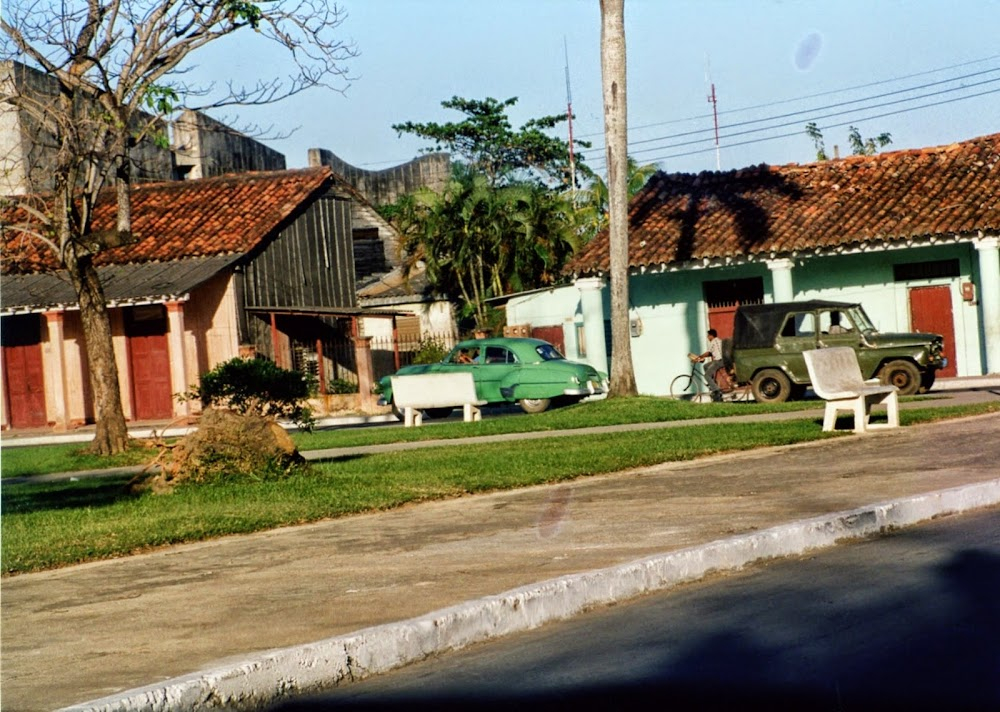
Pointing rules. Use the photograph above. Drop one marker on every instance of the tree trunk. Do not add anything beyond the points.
(616, 141)
(112, 433)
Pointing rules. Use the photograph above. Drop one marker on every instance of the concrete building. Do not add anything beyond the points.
(911, 235)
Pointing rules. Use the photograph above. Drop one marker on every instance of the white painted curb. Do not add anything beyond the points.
(265, 678)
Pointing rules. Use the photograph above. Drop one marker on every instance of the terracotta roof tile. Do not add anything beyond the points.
(764, 210)
(229, 214)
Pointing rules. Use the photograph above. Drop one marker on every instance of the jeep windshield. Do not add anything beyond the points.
(861, 320)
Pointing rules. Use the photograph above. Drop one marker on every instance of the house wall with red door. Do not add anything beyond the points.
(675, 315)
(210, 336)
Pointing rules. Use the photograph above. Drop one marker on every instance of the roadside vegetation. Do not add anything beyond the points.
(53, 524)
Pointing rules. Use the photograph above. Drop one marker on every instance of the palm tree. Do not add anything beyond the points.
(616, 145)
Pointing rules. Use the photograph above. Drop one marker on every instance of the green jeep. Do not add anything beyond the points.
(768, 341)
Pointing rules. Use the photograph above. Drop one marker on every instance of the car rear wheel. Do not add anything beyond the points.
(771, 386)
(903, 375)
(535, 405)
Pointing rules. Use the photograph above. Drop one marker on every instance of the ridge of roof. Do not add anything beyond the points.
(780, 210)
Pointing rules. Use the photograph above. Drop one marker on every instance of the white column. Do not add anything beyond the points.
(592, 307)
(57, 368)
(178, 359)
(989, 299)
(781, 276)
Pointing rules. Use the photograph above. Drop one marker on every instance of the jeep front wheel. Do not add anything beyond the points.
(771, 386)
(903, 375)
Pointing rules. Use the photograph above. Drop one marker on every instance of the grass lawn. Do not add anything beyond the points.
(60, 523)
(44, 459)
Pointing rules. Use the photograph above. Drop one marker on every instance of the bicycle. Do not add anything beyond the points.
(694, 386)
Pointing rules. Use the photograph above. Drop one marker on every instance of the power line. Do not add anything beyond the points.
(811, 112)
(808, 96)
(828, 126)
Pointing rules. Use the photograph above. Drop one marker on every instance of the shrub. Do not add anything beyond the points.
(430, 351)
(256, 386)
(340, 386)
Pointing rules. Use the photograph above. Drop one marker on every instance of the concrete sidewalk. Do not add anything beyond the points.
(234, 622)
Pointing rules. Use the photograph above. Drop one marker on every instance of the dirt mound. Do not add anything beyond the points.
(226, 444)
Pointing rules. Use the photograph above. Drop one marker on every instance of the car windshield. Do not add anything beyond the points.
(548, 352)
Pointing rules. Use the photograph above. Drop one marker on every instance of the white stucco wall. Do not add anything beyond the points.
(674, 316)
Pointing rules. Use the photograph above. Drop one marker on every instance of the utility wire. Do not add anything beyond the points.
(826, 127)
(804, 98)
(811, 112)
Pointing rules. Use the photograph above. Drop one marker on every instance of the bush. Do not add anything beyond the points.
(340, 386)
(430, 351)
(257, 386)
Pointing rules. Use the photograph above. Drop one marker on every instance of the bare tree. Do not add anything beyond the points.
(616, 140)
(117, 67)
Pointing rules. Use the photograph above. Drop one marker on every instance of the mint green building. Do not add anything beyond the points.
(914, 236)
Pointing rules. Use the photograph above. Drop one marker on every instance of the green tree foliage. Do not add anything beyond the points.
(859, 146)
(256, 387)
(595, 209)
(504, 222)
(479, 240)
(485, 141)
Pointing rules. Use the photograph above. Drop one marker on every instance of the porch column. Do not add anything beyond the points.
(366, 372)
(178, 361)
(781, 276)
(57, 367)
(592, 306)
(989, 299)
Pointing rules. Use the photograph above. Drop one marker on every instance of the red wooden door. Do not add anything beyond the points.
(149, 363)
(930, 312)
(23, 374)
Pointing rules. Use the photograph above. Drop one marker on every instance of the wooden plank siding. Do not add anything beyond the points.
(309, 264)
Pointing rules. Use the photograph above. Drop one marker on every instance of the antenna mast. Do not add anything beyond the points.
(715, 113)
(569, 117)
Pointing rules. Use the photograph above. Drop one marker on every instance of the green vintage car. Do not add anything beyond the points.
(768, 341)
(530, 372)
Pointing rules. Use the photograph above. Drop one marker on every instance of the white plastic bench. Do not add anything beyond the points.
(411, 394)
(836, 378)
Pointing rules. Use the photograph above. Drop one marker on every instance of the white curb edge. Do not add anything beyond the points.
(263, 679)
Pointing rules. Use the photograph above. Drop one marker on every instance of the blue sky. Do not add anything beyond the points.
(760, 53)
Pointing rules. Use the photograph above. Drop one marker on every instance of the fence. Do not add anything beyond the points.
(339, 362)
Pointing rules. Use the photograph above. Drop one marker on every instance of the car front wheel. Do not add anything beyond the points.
(771, 386)
(534, 405)
(903, 375)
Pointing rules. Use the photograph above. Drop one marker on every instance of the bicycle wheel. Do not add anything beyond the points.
(682, 387)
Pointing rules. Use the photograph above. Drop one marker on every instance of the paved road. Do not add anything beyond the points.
(909, 620)
(100, 629)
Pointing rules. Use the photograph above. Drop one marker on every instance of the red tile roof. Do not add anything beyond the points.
(764, 210)
(225, 215)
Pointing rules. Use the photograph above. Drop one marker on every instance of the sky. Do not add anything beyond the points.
(775, 65)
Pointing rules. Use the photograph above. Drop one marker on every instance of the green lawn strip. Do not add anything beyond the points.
(614, 411)
(56, 524)
(46, 459)
(67, 457)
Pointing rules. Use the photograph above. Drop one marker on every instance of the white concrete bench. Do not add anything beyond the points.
(411, 394)
(836, 378)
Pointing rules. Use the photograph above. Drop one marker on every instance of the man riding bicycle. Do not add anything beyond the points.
(713, 359)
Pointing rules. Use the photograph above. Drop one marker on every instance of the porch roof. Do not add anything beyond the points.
(889, 199)
(147, 282)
